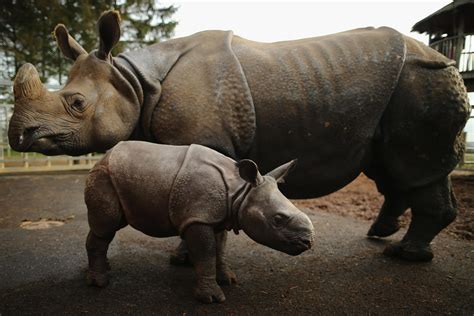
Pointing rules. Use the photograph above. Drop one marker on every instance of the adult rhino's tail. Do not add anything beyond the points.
(422, 126)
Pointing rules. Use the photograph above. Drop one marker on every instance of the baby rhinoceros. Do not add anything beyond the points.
(194, 192)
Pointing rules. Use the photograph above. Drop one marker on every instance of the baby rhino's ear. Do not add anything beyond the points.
(248, 171)
(279, 173)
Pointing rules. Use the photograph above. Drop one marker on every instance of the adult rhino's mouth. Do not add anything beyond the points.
(22, 139)
(46, 145)
(36, 139)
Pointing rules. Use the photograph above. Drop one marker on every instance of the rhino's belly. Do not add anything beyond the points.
(329, 157)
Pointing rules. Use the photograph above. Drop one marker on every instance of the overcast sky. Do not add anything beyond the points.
(270, 21)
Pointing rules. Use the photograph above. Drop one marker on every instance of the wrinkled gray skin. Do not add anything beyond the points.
(367, 100)
(194, 192)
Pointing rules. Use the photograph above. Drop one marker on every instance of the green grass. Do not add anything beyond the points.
(15, 154)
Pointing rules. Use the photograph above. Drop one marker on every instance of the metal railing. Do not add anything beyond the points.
(466, 59)
(459, 48)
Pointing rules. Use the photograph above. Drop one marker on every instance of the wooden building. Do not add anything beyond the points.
(451, 32)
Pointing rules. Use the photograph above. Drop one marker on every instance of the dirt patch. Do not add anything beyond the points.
(40, 224)
(361, 199)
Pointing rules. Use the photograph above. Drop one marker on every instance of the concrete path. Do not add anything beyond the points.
(42, 270)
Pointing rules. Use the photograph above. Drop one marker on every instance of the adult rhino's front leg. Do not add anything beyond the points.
(201, 242)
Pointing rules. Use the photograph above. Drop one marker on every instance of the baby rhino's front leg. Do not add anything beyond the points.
(224, 276)
(201, 243)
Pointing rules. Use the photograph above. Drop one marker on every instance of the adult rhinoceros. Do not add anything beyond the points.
(367, 100)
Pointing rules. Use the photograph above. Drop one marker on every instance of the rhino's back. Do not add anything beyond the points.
(143, 175)
(320, 100)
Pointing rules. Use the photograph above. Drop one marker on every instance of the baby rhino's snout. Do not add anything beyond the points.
(303, 233)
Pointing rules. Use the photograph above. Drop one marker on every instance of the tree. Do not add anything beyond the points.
(26, 26)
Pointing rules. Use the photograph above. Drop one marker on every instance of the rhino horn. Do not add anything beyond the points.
(27, 83)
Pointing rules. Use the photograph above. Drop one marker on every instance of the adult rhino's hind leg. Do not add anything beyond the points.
(394, 205)
(387, 223)
(420, 144)
(105, 218)
(433, 208)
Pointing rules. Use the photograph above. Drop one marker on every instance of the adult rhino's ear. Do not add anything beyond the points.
(279, 173)
(108, 26)
(68, 45)
(248, 171)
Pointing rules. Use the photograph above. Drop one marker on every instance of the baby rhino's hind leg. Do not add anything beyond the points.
(105, 218)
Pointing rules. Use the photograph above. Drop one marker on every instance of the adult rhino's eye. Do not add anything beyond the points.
(77, 102)
(280, 219)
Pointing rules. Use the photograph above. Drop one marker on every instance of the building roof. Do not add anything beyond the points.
(446, 19)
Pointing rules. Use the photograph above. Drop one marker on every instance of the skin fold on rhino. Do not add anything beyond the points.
(194, 192)
(367, 100)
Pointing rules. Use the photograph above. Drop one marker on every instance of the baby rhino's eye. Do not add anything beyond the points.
(280, 219)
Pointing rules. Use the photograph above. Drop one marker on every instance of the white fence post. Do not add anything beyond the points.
(2, 156)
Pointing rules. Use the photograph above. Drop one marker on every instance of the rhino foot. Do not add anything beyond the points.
(98, 279)
(383, 229)
(409, 251)
(226, 277)
(209, 292)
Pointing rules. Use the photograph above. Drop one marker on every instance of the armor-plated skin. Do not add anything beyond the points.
(367, 100)
(194, 192)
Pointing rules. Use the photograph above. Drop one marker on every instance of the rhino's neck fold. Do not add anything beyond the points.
(236, 201)
(149, 67)
(142, 89)
(236, 189)
(127, 70)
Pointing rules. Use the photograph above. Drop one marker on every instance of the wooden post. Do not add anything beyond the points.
(2, 157)
(26, 163)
